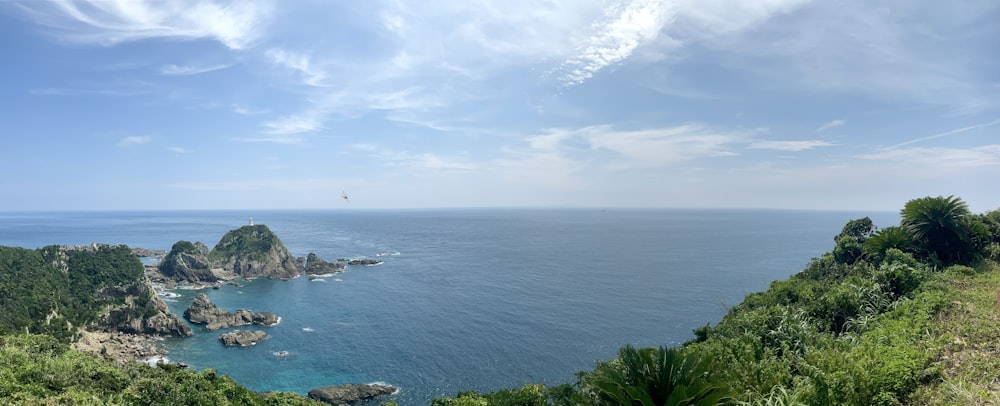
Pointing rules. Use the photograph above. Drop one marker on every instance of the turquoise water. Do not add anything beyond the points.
(475, 299)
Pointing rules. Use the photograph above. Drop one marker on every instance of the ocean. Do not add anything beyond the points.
(467, 299)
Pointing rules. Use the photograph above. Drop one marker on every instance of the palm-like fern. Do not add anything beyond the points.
(886, 238)
(939, 225)
(655, 377)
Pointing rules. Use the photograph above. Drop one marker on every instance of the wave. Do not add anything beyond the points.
(152, 361)
(317, 280)
(388, 254)
(308, 329)
(169, 295)
(384, 383)
(338, 280)
(375, 264)
(281, 353)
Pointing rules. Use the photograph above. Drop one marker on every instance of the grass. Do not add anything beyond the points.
(967, 337)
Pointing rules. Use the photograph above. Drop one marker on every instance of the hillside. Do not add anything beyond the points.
(907, 314)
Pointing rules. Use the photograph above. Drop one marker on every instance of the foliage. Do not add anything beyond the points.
(894, 237)
(251, 242)
(940, 227)
(38, 369)
(655, 376)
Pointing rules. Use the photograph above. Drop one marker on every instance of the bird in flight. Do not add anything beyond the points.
(343, 195)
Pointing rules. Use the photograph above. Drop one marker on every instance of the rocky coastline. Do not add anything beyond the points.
(242, 338)
(343, 395)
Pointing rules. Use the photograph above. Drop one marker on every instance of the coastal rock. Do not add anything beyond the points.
(144, 252)
(143, 312)
(315, 265)
(203, 311)
(350, 393)
(242, 338)
(359, 261)
(188, 262)
(116, 346)
(255, 252)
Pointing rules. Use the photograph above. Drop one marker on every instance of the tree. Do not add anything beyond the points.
(890, 237)
(939, 226)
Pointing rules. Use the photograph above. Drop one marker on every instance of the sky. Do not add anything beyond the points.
(258, 104)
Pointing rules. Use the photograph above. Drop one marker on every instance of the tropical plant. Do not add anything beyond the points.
(655, 377)
(890, 237)
(938, 225)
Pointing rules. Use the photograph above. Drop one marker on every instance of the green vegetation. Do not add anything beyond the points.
(902, 315)
(251, 242)
(51, 290)
(39, 369)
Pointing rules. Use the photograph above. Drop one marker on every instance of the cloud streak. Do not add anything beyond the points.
(190, 69)
(134, 140)
(793, 146)
(237, 25)
(831, 124)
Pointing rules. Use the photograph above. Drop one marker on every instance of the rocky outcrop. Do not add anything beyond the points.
(315, 265)
(142, 312)
(188, 262)
(350, 393)
(255, 252)
(359, 261)
(203, 311)
(118, 346)
(242, 338)
(145, 252)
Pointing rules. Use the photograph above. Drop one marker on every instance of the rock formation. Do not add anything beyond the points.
(359, 261)
(142, 313)
(350, 393)
(188, 262)
(242, 338)
(315, 265)
(203, 311)
(255, 252)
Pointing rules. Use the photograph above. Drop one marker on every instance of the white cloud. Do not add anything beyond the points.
(986, 155)
(294, 124)
(831, 124)
(662, 146)
(179, 150)
(134, 140)
(789, 145)
(190, 69)
(236, 25)
(629, 26)
(311, 74)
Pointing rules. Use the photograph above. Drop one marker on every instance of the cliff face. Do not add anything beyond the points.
(255, 252)
(188, 262)
(142, 312)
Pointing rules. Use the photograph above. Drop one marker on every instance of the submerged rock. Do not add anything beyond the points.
(242, 338)
(350, 393)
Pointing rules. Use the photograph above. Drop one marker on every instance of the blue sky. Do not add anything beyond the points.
(203, 104)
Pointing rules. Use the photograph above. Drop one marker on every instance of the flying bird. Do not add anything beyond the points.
(344, 196)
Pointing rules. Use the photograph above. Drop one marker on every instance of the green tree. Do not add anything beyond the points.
(887, 238)
(655, 377)
(939, 226)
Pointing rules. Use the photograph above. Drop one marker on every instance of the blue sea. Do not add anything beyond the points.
(467, 299)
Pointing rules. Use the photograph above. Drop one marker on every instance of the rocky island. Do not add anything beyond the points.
(350, 393)
(203, 311)
(251, 251)
(242, 338)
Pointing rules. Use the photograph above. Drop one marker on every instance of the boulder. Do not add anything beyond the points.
(242, 338)
(350, 393)
(315, 265)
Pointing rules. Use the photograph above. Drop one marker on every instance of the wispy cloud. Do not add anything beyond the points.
(831, 124)
(947, 133)
(986, 155)
(134, 140)
(190, 69)
(628, 26)
(178, 150)
(789, 145)
(311, 74)
(236, 25)
(662, 146)
(293, 124)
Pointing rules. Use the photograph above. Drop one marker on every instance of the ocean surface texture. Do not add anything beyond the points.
(477, 299)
